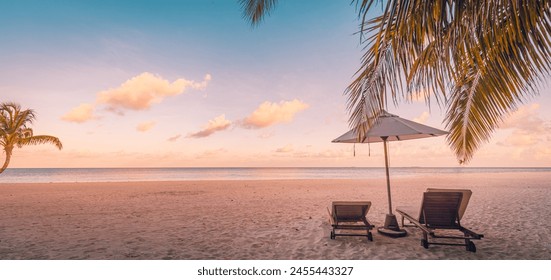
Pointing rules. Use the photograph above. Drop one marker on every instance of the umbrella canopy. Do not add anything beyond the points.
(389, 127)
(392, 127)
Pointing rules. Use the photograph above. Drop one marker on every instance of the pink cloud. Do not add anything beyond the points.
(174, 138)
(146, 89)
(211, 153)
(137, 93)
(82, 113)
(419, 96)
(266, 135)
(525, 118)
(145, 126)
(217, 124)
(422, 118)
(528, 128)
(286, 149)
(269, 113)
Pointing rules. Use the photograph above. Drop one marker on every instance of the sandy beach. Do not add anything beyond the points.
(264, 219)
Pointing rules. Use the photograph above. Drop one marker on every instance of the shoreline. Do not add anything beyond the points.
(260, 219)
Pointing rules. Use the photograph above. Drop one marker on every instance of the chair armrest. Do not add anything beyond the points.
(472, 233)
(331, 219)
(368, 222)
(414, 221)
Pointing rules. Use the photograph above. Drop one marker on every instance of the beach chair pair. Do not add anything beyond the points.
(439, 218)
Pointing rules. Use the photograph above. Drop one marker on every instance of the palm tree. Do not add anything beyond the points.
(479, 59)
(14, 130)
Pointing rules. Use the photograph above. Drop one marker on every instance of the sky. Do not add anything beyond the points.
(171, 83)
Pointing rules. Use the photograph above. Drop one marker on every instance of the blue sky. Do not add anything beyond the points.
(215, 80)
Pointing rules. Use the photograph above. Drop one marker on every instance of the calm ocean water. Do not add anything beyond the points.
(46, 175)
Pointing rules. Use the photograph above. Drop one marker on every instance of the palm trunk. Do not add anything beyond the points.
(7, 161)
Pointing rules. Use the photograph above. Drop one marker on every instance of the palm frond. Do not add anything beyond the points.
(480, 59)
(256, 10)
(496, 70)
(365, 100)
(40, 139)
(13, 118)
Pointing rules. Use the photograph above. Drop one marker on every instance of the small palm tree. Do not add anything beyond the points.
(14, 130)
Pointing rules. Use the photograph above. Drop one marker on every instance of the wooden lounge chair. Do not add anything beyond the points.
(440, 215)
(347, 216)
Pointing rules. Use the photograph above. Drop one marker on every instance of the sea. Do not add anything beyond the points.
(58, 175)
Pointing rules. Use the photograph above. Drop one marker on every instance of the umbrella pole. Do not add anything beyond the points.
(387, 177)
(391, 227)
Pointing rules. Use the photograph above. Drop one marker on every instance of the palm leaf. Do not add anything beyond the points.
(40, 139)
(256, 10)
(501, 67)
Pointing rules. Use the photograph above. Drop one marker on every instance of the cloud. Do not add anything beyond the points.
(217, 124)
(174, 138)
(527, 127)
(146, 89)
(423, 118)
(526, 118)
(211, 153)
(145, 126)
(266, 135)
(286, 149)
(418, 96)
(519, 139)
(269, 113)
(202, 85)
(82, 113)
(323, 154)
(137, 93)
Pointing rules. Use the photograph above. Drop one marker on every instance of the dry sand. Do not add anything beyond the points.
(284, 219)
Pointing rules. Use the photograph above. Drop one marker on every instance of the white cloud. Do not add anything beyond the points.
(269, 113)
(145, 126)
(217, 124)
(82, 113)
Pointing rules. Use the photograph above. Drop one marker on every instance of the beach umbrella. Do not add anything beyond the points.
(389, 127)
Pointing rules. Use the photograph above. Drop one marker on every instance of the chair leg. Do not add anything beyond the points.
(369, 236)
(470, 246)
(425, 240)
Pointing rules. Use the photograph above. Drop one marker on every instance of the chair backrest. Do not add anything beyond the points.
(464, 202)
(349, 211)
(440, 209)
